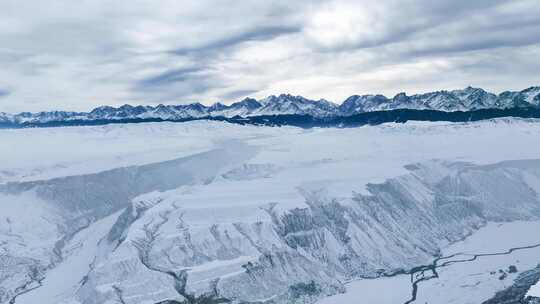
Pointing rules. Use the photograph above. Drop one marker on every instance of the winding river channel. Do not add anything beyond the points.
(424, 273)
(471, 271)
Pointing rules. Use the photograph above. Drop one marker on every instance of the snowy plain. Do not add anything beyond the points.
(266, 165)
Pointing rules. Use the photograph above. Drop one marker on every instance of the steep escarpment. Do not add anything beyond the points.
(160, 250)
(307, 252)
(42, 217)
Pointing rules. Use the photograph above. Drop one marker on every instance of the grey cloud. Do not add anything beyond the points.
(168, 77)
(237, 94)
(186, 83)
(476, 42)
(412, 22)
(261, 33)
(4, 92)
(183, 83)
(177, 86)
(449, 29)
(225, 50)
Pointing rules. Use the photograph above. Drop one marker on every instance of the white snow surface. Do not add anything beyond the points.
(474, 282)
(44, 153)
(212, 187)
(534, 291)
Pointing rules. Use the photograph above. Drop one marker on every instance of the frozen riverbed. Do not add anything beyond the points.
(461, 282)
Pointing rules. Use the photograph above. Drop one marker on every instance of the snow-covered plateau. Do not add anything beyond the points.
(211, 212)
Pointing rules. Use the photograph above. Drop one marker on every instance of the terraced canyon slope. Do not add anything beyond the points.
(209, 212)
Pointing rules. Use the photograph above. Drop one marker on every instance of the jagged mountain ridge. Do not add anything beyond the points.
(448, 101)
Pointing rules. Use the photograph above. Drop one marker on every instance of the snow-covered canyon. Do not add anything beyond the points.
(208, 212)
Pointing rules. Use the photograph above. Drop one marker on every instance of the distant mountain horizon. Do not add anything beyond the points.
(466, 99)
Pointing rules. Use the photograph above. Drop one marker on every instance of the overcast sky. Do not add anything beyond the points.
(76, 55)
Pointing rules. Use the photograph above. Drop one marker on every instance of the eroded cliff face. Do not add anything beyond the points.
(43, 217)
(151, 248)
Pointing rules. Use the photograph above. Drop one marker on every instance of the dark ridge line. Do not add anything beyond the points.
(308, 121)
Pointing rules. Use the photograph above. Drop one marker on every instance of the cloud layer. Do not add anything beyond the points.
(76, 55)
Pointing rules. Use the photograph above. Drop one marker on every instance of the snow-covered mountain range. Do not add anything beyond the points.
(457, 100)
